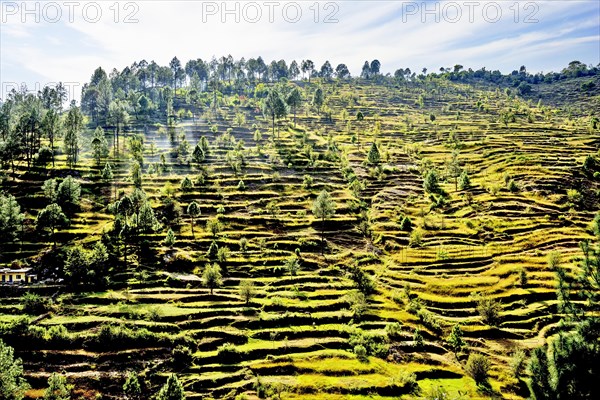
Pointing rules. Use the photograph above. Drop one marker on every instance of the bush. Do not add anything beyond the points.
(464, 182)
(416, 238)
(429, 320)
(393, 330)
(374, 344)
(522, 277)
(182, 356)
(363, 282)
(418, 339)
(406, 224)
(431, 182)
(213, 251)
(361, 353)
(455, 339)
(478, 368)
(358, 303)
(307, 181)
(574, 198)
(229, 354)
(512, 186)
(407, 381)
(517, 363)
(35, 304)
(489, 309)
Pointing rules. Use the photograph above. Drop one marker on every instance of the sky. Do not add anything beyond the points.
(43, 42)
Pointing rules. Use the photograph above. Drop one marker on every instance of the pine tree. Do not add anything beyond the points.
(374, 158)
(172, 390)
(170, 238)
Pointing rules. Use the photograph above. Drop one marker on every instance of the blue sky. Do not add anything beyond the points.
(542, 35)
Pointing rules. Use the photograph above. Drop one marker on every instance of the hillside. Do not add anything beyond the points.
(451, 215)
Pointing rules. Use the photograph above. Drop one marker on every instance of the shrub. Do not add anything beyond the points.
(407, 381)
(132, 388)
(522, 277)
(431, 183)
(182, 356)
(243, 245)
(574, 197)
(170, 238)
(12, 383)
(437, 393)
(416, 238)
(229, 354)
(393, 330)
(247, 291)
(406, 224)
(307, 181)
(374, 344)
(478, 367)
(358, 304)
(489, 309)
(512, 186)
(418, 339)
(464, 182)
(455, 339)
(361, 353)
(213, 250)
(429, 320)
(35, 304)
(517, 363)
(363, 282)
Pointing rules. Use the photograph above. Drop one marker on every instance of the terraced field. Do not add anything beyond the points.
(296, 336)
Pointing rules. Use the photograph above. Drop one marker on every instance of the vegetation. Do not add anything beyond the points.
(12, 383)
(280, 230)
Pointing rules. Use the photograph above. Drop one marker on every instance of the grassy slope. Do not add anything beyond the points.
(294, 334)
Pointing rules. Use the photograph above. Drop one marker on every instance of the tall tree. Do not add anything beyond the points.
(118, 115)
(566, 367)
(294, 100)
(212, 276)
(342, 72)
(323, 208)
(146, 220)
(366, 71)
(307, 66)
(375, 67)
(318, 99)
(51, 218)
(294, 70)
(454, 169)
(275, 106)
(193, 211)
(11, 218)
(132, 388)
(326, 70)
(107, 176)
(99, 145)
(73, 126)
(178, 72)
(68, 194)
(51, 128)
